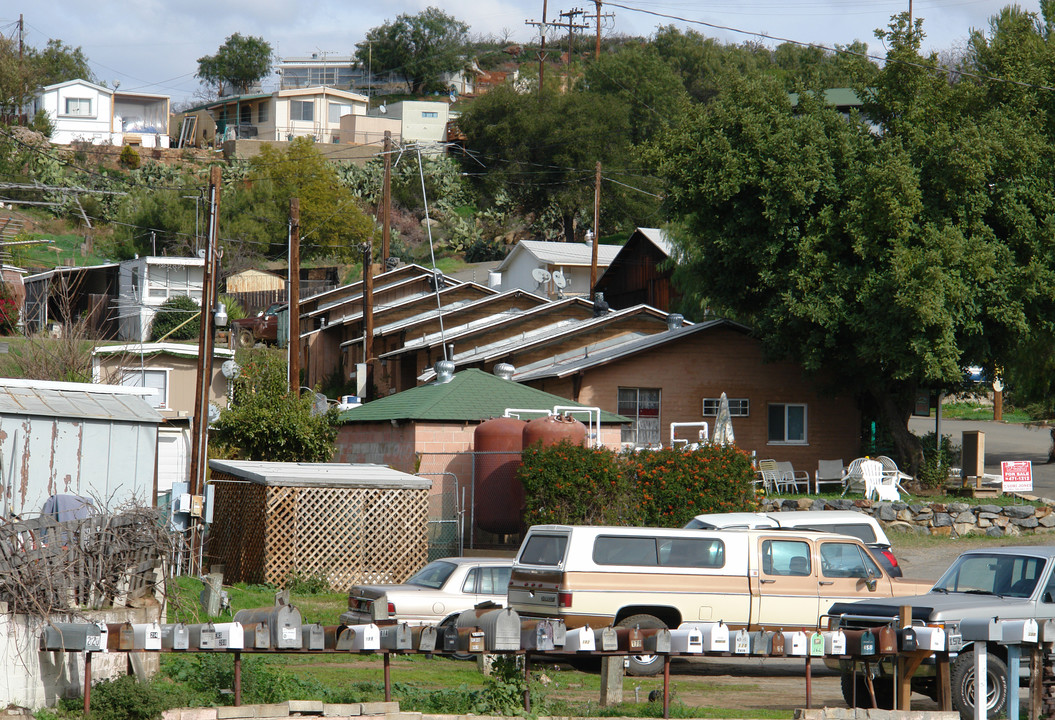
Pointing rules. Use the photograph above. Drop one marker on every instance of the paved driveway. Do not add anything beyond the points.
(1003, 441)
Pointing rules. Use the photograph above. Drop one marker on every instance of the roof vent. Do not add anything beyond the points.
(444, 371)
(504, 371)
(675, 321)
(600, 307)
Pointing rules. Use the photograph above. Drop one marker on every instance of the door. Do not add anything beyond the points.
(847, 574)
(787, 583)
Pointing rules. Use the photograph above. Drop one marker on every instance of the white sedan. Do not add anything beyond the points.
(437, 592)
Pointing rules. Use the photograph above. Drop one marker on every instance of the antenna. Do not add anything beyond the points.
(541, 275)
(559, 280)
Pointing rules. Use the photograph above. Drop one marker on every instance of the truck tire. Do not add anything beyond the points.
(643, 665)
(245, 338)
(883, 686)
(963, 687)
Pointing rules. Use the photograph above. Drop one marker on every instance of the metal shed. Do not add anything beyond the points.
(347, 523)
(98, 441)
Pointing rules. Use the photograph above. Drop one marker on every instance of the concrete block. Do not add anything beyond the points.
(342, 709)
(380, 708)
(403, 716)
(305, 707)
(196, 714)
(273, 710)
(236, 713)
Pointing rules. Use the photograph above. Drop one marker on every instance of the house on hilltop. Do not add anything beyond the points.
(81, 111)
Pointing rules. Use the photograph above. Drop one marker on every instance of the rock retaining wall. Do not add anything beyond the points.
(955, 518)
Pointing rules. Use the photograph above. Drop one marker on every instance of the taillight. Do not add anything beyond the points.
(890, 556)
(391, 610)
(564, 599)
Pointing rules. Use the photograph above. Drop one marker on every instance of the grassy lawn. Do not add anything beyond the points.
(980, 411)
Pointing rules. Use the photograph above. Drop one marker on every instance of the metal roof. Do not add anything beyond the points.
(658, 238)
(84, 401)
(470, 396)
(335, 475)
(164, 348)
(561, 253)
(564, 369)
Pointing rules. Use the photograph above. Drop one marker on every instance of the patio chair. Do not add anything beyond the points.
(828, 471)
(852, 478)
(772, 476)
(890, 469)
(792, 478)
(878, 485)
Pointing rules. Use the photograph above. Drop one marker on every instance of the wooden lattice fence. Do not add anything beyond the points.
(345, 535)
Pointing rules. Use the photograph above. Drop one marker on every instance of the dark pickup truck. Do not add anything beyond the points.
(1014, 583)
(263, 327)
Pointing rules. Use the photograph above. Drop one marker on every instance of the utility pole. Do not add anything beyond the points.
(572, 27)
(597, 16)
(386, 203)
(200, 422)
(596, 229)
(368, 315)
(543, 26)
(293, 342)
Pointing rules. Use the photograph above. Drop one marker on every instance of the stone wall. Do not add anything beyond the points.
(955, 518)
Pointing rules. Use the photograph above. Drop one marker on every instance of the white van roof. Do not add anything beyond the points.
(814, 519)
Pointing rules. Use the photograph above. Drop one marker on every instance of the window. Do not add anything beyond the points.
(430, 114)
(494, 580)
(303, 110)
(245, 114)
(157, 379)
(787, 423)
(544, 550)
(738, 407)
(651, 551)
(785, 557)
(641, 405)
(469, 584)
(79, 107)
(261, 112)
(844, 560)
(338, 109)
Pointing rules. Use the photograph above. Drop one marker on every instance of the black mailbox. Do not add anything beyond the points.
(907, 640)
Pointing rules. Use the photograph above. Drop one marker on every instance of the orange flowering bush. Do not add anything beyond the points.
(574, 485)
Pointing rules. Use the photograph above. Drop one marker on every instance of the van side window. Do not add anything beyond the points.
(843, 560)
(785, 557)
(544, 550)
(663, 552)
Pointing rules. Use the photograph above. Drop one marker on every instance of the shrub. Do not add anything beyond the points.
(568, 484)
(129, 157)
(937, 462)
(170, 321)
(127, 699)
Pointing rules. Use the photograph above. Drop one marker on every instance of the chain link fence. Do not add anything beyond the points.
(476, 502)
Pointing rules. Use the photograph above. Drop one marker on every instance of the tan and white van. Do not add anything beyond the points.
(662, 577)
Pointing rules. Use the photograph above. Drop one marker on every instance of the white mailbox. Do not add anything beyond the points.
(742, 642)
(835, 642)
(686, 639)
(930, 638)
(229, 636)
(146, 636)
(1020, 631)
(365, 637)
(580, 639)
(795, 643)
(715, 637)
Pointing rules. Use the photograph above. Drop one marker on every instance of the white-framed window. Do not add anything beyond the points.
(738, 407)
(429, 114)
(79, 107)
(151, 378)
(303, 110)
(641, 405)
(787, 423)
(338, 109)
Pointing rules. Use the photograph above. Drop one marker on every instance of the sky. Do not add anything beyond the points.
(153, 45)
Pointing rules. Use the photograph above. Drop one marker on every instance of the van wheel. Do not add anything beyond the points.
(245, 338)
(644, 665)
(884, 690)
(963, 687)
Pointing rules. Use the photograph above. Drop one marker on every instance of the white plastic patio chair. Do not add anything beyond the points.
(890, 469)
(877, 485)
(852, 478)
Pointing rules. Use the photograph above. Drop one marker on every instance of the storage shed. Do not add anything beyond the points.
(348, 523)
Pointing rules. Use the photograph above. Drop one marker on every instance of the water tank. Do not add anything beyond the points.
(499, 497)
(552, 429)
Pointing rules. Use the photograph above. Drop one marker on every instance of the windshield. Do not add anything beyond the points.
(992, 574)
(432, 575)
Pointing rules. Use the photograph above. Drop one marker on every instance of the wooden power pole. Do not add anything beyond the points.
(368, 315)
(596, 228)
(293, 342)
(386, 203)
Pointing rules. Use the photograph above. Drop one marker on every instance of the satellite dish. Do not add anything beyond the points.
(541, 275)
(230, 369)
(559, 280)
(382, 109)
(214, 413)
(320, 405)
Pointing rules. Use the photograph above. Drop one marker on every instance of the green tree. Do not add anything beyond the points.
(239, 62)
(255, 210)
(883, 262)
(422, 48)
(178, 318)
(267, 422)
(59, 62)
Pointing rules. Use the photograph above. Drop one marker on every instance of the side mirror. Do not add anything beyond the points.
(260, 314)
